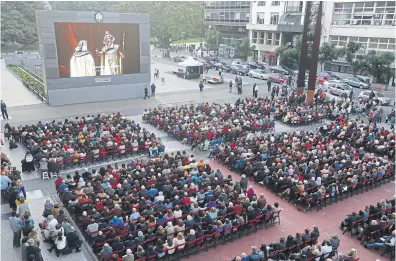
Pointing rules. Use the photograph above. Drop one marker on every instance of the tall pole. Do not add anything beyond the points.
(304, 52)
(314, 55)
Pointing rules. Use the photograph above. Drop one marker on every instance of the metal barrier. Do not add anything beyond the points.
(174, 104)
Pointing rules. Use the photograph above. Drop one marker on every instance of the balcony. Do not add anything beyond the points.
(287, 28)
(291, 28)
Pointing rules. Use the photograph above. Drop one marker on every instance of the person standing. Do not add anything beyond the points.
(277, 90)
(255, 90)
(146, 92)
(269, 85)
(230, 85)
(16, 225)
(240, 84)
(4, 110)
(153, 87)
(201, 86)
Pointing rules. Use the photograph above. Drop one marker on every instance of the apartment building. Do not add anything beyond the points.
(229, 18)
(371, 23)
(274, 23)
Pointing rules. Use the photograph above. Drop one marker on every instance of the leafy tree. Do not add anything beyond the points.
(328, 52)
(18, 22)
(169, 21)
(290, 55)
(379, 65)
(244, 49)
(211, 39)
(350, 53)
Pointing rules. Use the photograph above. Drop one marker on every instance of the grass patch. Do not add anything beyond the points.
(28, 80)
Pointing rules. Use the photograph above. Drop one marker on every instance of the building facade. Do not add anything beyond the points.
(370, 23)
(272, 24)
(229, 18)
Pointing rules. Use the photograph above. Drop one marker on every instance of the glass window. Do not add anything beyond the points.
(373, 43)
(277, 38)
(255, 33)
(261, 40)
(353, 39)
(391, 46)
(269, 39)
(275, 3)
(232, 15)
(261, 3)
(260, 18)
(274, 18)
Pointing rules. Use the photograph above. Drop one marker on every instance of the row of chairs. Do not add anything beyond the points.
(205, 242)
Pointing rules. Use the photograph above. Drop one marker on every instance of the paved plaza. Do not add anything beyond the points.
(25, 109)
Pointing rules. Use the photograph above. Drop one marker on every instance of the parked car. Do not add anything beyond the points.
(357, 82)
(179, 59)
(260, 74)
(253, 65)
(280, 69)
(339, 89)
(214, 58)
(238, 62)
(262, 65)
(382, 100)
(219, 65)
(208, 64)
(277, 78)
(239, 69)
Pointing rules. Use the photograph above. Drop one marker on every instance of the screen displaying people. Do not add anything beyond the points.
(96, 49)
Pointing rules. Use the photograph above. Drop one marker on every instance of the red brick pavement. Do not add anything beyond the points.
(293, 221)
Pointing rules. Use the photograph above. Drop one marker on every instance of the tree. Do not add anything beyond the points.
(169, 21)
(328, 52)
(244, 49)
(379, 65)
(350, 53)
(211, 39)
(290, 55)
(18, 22)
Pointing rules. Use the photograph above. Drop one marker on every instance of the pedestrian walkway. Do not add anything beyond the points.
(36, 204)
(13, 93)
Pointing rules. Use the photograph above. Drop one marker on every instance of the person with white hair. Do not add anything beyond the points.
(160, 197)
(50, 228)
(134, 215)
(128, 256)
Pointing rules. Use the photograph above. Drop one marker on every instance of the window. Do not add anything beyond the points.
(373, 43)
(277, 38)
(274, 18)
(294, 6)
(275, 3)
(261, 40)
(342, 13)
(261, 3)
(254, 37)
(260, 18)
(269, 39)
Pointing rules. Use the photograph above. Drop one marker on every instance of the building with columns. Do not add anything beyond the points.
(370, 23)
(274, 23)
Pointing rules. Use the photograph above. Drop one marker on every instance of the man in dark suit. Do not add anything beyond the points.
(73, 241)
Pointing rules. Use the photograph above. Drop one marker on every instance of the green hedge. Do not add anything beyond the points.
(28, 80)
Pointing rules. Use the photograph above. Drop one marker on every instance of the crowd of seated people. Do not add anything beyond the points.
(366, 137)
(374, 225)
(306, 166)
(302, 247)
(83, 140)
(159, 207)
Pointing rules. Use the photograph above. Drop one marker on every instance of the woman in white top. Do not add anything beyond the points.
(177, 212)
(59, 244)
(170, 230)
(179, 241)
(180, 226)
(170, 246)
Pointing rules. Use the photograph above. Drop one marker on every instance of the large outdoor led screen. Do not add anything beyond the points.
(96, 49)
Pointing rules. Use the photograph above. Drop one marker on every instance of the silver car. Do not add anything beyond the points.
(259, 74)
(382, 100)
(357, 82)
(339, 89)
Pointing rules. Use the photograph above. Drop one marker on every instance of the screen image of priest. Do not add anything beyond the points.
(96, 49)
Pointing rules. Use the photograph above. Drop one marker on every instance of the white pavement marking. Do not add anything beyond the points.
(280, 228)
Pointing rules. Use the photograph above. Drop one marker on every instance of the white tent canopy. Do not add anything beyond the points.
(189, 62)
